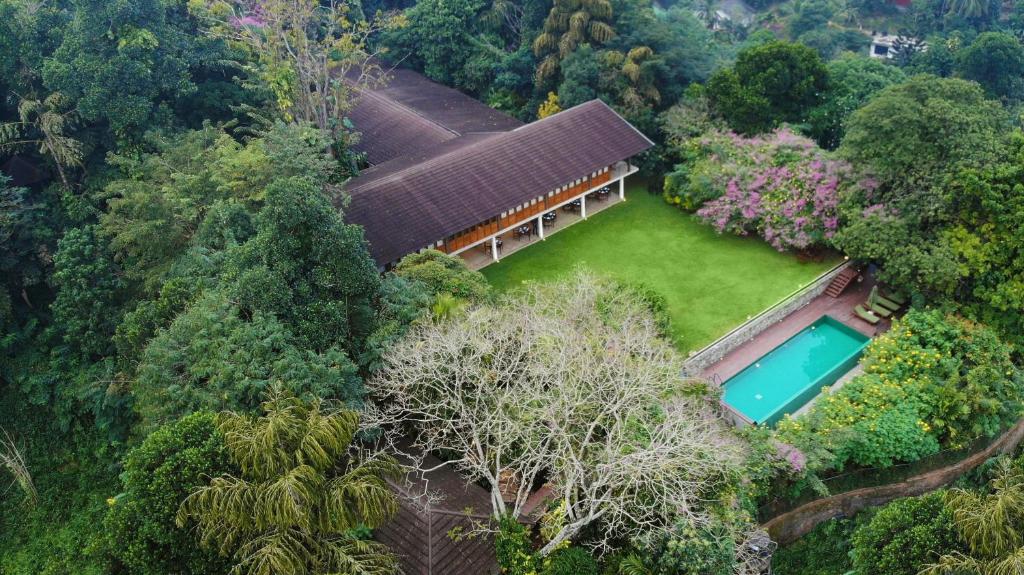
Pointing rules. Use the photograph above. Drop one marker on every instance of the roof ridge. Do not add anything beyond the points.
(428, 162)
(393, 102)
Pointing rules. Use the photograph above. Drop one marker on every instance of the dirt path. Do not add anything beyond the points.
(789, 526)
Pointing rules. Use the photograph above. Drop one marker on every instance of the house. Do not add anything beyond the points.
(450, 173)
(887, 46)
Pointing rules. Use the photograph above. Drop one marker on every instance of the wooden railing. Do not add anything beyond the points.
(528, 212)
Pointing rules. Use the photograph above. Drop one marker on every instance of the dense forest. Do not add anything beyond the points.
(203, 371)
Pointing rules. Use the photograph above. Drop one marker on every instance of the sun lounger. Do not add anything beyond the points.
(896, 297)
(865, 315)
(887, 303)
(878, 310)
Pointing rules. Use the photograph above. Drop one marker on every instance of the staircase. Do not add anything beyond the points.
(841, 281)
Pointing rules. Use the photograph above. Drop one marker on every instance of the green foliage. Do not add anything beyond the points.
(691, 549)
(442, 273)
(769, 84)
(307, 267)
(570, 561)
(904, 536)
(236, 361)
(932, 380)
(201, 182)
(440, 40)
(89, 295)
(119, 61)
(852, 81)
(513, 549)
(996, 61)
(989, 525)
(302, 496)
(158, 475)
(913, 133)
(823, 551)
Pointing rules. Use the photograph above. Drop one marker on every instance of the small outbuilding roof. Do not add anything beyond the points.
(412, 114)
(434, 508)
(411, 202)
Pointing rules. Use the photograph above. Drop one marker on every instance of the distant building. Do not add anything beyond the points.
(887, 46)
(452, 174)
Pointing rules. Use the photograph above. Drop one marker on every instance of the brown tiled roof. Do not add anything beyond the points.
(422, 532)
(412, 114)
(407, 205)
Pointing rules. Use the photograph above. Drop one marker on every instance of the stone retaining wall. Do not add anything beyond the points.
(713, 353)
(789, 526)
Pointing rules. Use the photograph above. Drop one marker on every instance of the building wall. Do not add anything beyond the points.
(523, 212)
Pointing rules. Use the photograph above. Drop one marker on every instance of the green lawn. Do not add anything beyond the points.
(712, 282)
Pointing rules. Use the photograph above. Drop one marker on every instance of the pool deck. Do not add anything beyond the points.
(840, 308)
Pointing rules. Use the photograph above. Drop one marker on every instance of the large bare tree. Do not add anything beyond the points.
(569, 384)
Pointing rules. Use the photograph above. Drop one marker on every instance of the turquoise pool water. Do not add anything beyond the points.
(784, 379)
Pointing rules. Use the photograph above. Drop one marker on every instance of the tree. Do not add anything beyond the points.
(852, 81)
(912, 134)
(119, 61)
(158, 475)
(990, 526)
(444, 274)
(90, 293)
(46, 123)
(549, 107)
(570, 24)
(302, 492)
(12, 460)
(996, 61)
(307, 267)
(904, 535)
(231, 364)
(602, 414)
(769, 84)
(441, 39)
(313, 56)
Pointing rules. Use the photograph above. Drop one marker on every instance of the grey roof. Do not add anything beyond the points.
(408, 204)
(412, 114)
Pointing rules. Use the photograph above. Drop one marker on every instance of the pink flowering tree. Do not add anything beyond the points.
(780, 186)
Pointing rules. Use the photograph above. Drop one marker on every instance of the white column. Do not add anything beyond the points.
(583, 206)
(540, 225)
(494, 248)
(622, 189)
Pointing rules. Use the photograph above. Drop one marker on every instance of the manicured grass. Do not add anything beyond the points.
(711, 282)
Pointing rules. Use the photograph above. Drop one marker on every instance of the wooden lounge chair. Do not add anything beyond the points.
(878, 310)
(865, 315)
(887, 303)
(895, 297)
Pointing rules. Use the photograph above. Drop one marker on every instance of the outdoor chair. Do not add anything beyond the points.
(887, 303)
(877, 309)
(865, 315)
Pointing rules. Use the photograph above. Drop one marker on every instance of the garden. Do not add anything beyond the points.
(710, 283)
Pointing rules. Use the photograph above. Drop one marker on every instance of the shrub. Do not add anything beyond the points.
(512, 548)
(443, 273)
(933, 380)
(823, 551)
(904, 536)
(780, 186)
(159, 474)
(570, 561)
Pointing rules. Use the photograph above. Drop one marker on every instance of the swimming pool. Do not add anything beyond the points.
(784, 379)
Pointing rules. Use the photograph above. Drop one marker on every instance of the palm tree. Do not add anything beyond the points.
(570, 24)
(45, 123)
(969, 8)
(301, 495)
(992, 526)
(12, 459)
